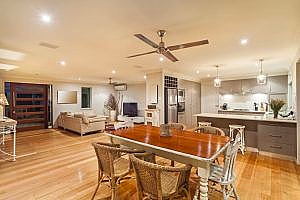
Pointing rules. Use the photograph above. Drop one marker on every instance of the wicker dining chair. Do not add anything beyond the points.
(160, 182)
(209, 129)
(224, 175)
(177, 126)
(112, 165)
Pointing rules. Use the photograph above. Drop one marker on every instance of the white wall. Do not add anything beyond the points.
(154, 79)
(297, 100)
(136, 93)
(209, 97)
(192, 102)
(100, 94)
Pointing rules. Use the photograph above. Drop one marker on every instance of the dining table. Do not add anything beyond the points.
(187, 147)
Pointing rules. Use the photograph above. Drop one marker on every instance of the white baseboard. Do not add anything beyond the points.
(252, 149)
(275, 155)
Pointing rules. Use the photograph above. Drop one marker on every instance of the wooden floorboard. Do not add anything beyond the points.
(57, 164)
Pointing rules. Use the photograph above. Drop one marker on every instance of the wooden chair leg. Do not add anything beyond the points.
(234, 192)
(172, 163)
(100, 179)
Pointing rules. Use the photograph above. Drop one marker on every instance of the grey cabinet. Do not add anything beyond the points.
(279, 84)
(277, 139)
(231, 87)
(251, 86)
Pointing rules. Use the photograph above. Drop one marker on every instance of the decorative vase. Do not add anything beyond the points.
(275, 114)
(112, 115)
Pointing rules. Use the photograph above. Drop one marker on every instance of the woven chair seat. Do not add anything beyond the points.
(121, 167)
(168, 183)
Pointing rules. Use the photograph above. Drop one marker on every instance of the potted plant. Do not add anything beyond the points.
(276, 105)
(112, 106)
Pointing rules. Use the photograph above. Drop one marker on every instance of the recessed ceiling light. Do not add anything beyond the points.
(208, 75)
(79, 78)
(145, 77)
(62, 63)
(244, 41)
(46, 18)
(113, 72)
(11, 55)
(7, 67)
(198, 72)
(161, 59)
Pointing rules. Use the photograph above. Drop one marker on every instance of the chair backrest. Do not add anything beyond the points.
(210, 130)
(177, 126)
(230, 157)
(106, 154)
(148, 177)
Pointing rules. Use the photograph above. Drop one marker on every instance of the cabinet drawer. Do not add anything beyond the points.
(284, 149)
(276, 134)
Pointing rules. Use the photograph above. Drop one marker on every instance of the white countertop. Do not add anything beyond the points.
(268, 118)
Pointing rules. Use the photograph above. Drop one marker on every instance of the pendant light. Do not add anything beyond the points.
(217, 80)
(261, 78)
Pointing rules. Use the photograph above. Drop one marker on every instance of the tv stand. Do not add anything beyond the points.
(135, 120)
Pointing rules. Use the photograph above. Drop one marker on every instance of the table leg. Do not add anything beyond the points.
(14, 148)
(202, 187)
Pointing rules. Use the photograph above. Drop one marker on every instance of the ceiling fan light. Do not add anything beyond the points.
(261, 79)
(217, 82)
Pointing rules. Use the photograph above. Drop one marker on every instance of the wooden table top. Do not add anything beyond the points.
(197, 144)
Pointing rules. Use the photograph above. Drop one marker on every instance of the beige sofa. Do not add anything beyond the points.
(81, 123)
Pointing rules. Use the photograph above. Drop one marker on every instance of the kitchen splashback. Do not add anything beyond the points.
(242, 101)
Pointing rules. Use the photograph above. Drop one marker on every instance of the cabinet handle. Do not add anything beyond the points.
(277, 147)
(278, 136)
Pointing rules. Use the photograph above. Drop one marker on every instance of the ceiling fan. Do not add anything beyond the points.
(161, 49)
(110, 82)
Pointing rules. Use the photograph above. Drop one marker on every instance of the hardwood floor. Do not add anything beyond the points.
(56, 164)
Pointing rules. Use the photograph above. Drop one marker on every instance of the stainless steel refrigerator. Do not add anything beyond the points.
(171, 113)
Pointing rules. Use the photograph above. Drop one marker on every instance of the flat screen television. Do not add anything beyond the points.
(130, 109)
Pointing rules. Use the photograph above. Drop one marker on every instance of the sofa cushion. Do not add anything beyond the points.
(78, 115)
(96, 119)
(85, 119)
(91, 115)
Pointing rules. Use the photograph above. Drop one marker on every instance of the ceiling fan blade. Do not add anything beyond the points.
(187, 45)
(141, 54)
(143, 38)
(170, 56)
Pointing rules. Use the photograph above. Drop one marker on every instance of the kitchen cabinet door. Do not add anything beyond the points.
(279, 84)
(248, 85)
(231, 87)
(251, 86)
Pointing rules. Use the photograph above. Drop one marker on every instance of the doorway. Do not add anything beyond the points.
(28, 105)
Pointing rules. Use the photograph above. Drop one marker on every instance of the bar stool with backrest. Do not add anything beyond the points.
(210, 130)
(200, 124)
(224, 175)
(112, 165)
(233, 130)
(160, 182)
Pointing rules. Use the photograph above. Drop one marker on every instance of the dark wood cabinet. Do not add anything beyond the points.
(28, 105)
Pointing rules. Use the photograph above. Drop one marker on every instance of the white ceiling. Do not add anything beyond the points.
(95, 36)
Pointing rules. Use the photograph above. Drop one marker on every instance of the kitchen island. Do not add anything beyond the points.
(262, 133)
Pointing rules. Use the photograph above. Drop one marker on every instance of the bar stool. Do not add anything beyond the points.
(241, 130)
(204, 124)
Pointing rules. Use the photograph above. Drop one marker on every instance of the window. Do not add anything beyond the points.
(86, 99)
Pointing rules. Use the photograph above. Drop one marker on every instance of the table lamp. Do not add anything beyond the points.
(3, 102)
